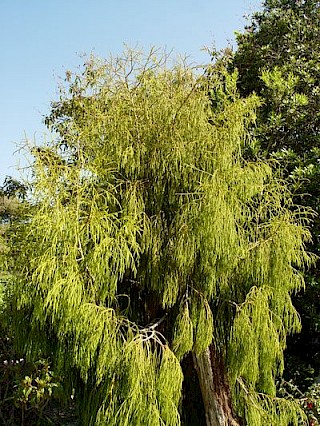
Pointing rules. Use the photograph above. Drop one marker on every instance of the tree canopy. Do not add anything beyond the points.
(278, 59)
(151, 238)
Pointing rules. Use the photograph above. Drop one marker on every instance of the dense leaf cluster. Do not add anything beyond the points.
(158, 228)
(152, 237)
(278, 59)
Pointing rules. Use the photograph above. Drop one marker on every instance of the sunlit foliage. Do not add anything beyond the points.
(153, 237)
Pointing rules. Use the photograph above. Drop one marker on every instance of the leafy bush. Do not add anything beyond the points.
(26, 388)
(309, 400)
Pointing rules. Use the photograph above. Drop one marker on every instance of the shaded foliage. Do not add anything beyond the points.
(278, 59)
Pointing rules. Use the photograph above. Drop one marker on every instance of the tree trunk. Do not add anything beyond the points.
(214, 389)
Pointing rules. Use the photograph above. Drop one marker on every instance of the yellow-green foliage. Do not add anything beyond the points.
(145, 207)
(183, 333)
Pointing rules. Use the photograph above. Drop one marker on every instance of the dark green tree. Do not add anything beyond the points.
(155, 242)
(278, 58)
(12, 195)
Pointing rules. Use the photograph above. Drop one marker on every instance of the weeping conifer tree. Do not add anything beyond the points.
(151, 239)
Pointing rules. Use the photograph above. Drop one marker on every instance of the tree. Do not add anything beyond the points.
(12, 195)
(278, 59)
(153, 239)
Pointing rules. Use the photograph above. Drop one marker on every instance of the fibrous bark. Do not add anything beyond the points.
(214, 388)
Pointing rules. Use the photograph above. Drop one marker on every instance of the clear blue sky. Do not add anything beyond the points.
(40, 39)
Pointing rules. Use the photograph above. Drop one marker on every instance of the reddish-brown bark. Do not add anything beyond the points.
(215, 390)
